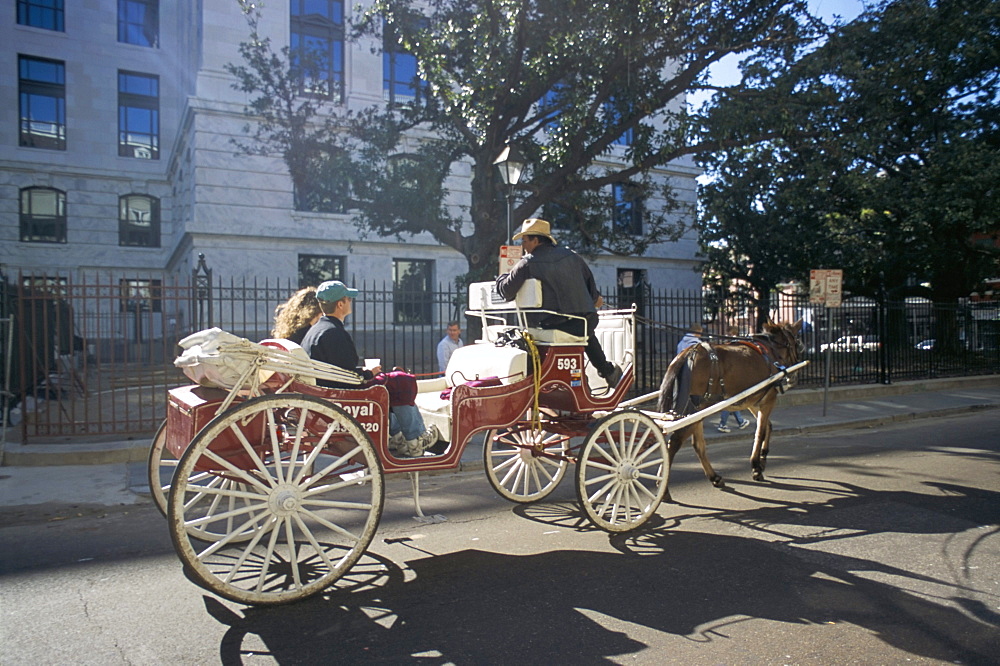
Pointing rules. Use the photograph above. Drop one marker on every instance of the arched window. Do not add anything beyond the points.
(139, 221)
(43, 215)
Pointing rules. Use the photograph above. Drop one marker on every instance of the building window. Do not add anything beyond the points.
(322, 186)
(562, 218)
(411, 285)
(43, 215)
(140, 295)
(138, 115)
(317, 268)
(550, 107)
(627, 215)
(139, 221)
(401, 82)
(614, 117)
(46, 14)
(139, 22)
(317, 46)
(42, 100)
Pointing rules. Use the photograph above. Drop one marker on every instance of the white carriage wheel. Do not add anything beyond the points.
(517, 471)
(621, 474)
(311, 490)
(160, 466)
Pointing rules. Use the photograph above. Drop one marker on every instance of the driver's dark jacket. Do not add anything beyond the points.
(567, 284)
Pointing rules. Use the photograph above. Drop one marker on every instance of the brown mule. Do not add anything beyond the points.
(705, 374)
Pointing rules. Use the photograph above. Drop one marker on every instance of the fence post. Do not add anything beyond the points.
(202, 278)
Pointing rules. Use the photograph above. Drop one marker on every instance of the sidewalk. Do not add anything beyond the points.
(116, 471)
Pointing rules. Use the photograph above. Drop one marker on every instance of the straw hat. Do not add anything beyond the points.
(536, 227)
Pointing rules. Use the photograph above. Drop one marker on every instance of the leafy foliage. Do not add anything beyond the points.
(883, 156)
(563, 80)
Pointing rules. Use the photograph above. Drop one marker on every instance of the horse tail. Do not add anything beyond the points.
(675, 390)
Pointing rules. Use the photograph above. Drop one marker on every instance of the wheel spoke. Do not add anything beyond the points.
(249, 480)
(293, 558)
(248, 447)
(331, 526)
(272, 433)
(604, 489)
(335, 504)
(265, 565)
(334, 465)
(211, 518)
(315, 453)
(214, 481)
(315, 490)
(216, 545)
(604, 454)
(226, 492)
(312, 541)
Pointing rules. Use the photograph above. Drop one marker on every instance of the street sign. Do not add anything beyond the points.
(825, 286)
(509, 256)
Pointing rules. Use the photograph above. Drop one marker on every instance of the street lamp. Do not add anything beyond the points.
(511, 164)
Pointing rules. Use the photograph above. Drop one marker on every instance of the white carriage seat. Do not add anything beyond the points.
(468, 363)
(483, 300)
(616, 335)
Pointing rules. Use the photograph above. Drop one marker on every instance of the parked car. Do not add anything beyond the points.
(929, 344)
(850, 343)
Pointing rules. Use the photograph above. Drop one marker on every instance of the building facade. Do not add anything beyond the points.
(117, 153)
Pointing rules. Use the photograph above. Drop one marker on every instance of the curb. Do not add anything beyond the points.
(872, 422)
(42, 455)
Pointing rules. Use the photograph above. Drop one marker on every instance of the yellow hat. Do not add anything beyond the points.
(536, 227)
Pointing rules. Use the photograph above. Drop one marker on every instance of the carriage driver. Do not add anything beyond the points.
(328, 341)
(567, 287)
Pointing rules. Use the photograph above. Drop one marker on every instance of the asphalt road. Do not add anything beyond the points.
(865, 546)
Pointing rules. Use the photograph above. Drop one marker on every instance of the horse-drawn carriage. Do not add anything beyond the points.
(273, 487)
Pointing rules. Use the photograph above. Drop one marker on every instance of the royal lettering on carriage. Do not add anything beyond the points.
(358, 410)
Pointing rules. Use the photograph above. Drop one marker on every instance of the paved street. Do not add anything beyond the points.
(878, 545)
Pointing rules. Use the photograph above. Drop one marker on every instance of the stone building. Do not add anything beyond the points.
(117, 154)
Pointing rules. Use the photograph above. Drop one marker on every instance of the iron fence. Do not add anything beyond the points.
(93, 353)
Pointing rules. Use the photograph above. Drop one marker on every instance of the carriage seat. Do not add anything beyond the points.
(468, 363)
(484, 300)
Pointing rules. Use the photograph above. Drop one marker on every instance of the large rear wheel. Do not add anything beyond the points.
(160, 466)
(621, 474)
(525, 465)
(303, 503)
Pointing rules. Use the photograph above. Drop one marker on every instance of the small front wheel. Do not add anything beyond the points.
(621, 474)
(303, 503)
(525, 465)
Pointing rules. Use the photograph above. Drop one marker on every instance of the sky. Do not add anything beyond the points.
(726, 71)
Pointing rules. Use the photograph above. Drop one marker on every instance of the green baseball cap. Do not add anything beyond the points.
(334, 290)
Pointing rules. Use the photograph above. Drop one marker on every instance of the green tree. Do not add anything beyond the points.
(884, 161)
(562, 80)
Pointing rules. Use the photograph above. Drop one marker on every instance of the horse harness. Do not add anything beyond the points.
(715, 378)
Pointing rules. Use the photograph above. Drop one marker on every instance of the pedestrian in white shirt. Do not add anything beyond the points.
(692, 337)
(449, 344)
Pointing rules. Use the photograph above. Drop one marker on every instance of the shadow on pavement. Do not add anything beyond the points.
(473, 606)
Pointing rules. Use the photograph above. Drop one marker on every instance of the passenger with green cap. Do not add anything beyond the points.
(328, 341)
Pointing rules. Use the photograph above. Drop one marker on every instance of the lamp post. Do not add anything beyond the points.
(511, 165)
